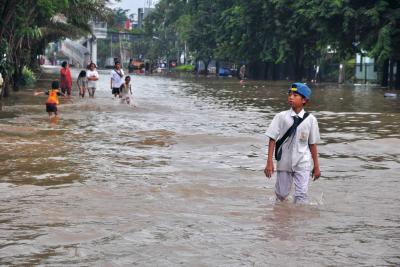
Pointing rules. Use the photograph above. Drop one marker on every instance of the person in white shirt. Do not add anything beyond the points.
(293, 135)
(92, 76)
(117, 79)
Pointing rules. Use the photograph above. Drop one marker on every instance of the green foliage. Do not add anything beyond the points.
(185, 68)
(27, 26)
(278, 31)
(167, 29)
(5, 67)
(136, 31)
(383, 47)
(118, 18)
(28, 77)
(230, 38)
(182, 25)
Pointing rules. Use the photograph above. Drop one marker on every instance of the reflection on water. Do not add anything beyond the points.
(177, 179)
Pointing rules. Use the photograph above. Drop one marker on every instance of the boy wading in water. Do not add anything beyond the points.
(52, 99)
(293, 135)
(117, 80)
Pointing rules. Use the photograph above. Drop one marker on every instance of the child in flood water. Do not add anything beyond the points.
(82, 83)
(126, 91)
(52, 99)
(293, 135)
(92, 76)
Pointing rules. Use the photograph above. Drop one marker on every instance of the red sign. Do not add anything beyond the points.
(128, 25)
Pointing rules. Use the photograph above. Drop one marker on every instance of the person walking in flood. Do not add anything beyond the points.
(82, 83)
(92, 76)
(126, 91)
(117, 75)
(293, 135)
(242, 74)
(65, 78)
(52, 99)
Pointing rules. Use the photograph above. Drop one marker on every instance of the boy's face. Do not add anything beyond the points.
(296, 100)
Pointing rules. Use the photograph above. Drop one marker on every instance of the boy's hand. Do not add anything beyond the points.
(316, 173)
(269, 169)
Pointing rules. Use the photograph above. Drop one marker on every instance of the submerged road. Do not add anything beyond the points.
(178, 178)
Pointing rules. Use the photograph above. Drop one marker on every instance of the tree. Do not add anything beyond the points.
(27, 26)
(167, 29)
(267, 33)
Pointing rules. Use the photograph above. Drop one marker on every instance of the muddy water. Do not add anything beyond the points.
(177, 179)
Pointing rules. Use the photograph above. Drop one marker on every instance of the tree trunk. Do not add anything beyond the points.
(17, 78)
(250, 70)
(397, 82)
(298, 74)
(385, 73)
(341, 73)
(391, 67)
(206, 67)
(299, 64)
(274, 72)
(197, 68)
(266, 69)
(6, 87)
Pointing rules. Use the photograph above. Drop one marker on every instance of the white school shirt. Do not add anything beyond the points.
(116, 80)
(296, 155)
(91, 73)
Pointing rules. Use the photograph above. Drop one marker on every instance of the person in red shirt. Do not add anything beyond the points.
(66, 79)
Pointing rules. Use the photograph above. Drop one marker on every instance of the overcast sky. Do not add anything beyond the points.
(132, 5)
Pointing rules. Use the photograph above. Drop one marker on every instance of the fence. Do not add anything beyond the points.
(366, 73)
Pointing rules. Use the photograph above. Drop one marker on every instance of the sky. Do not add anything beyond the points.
(132, 5)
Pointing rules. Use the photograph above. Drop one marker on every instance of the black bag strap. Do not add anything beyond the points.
(278, 144)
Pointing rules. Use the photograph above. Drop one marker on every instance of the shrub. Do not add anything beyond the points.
(186, 68)
(28, 77)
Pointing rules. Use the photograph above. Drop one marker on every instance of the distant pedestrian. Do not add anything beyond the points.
(131, 66)
(126, 91)
(242, 72)
(293, 135)
(52, 99)
(92, 76)
(65, 78)
(82, 83)
(316, 74)
(117, 75)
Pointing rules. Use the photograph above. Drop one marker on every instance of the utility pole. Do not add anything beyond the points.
(120, 50)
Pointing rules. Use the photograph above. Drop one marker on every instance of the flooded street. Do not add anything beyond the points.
(178, 178)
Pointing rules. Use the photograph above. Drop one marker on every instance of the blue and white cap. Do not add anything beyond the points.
(301, 89)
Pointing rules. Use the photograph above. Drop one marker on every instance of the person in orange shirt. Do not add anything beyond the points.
(52, 99)
(65, 78)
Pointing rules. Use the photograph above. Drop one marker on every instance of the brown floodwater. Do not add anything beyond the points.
(178, 178)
